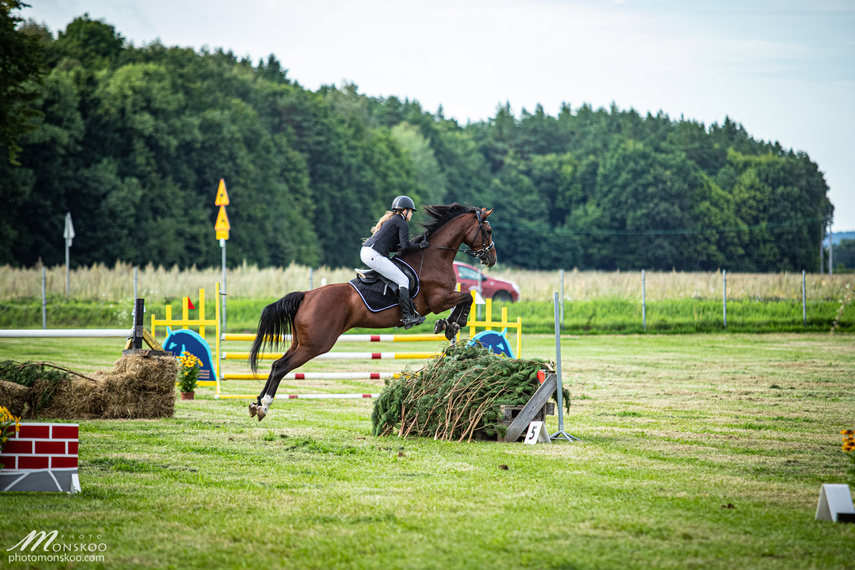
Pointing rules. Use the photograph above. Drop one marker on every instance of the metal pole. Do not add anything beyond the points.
(139, 312)
(44, 298)
(136, 281)
(830, 251)
(223, 292)
(67, 278)
(559, 396)
(821, 254)
(804, 299)
(68, 234)
(724, 296)
(643, 301)
(562, 297)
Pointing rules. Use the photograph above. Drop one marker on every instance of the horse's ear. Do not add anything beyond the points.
(487, 213)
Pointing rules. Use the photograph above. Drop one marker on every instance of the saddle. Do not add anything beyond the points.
(378, 292)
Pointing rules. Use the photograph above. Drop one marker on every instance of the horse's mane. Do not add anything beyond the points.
(441, 215)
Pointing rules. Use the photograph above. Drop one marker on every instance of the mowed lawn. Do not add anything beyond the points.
(697, 451)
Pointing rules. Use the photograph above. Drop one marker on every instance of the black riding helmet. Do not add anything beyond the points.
(402, 202)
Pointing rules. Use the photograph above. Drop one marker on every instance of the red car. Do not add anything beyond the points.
(499, 290)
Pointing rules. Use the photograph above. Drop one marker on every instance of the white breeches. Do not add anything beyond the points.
(384, 266)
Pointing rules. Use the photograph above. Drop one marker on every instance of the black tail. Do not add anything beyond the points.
(277, 319)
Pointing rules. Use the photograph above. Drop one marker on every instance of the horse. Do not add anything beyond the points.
(316, 318)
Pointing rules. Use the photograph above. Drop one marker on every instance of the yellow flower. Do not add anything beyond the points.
(848, 432)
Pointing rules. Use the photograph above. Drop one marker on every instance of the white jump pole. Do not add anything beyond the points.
(66, 333)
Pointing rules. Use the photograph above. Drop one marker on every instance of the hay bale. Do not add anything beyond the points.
(13, 397)
(68, 400)
(140, 386)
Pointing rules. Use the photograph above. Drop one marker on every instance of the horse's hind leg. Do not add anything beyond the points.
(290, 361)
(257, 407)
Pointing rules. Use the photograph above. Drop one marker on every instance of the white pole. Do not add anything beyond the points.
(136, 280)
(724, 296)
(67, 278)
(643, 301)
(44, 298)
(804, 300)
(562, 298)
(830, 251)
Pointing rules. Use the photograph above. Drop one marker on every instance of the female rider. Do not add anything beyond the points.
(392, 234)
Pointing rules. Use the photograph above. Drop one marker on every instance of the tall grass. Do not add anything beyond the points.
(661, 285)
(156, 283)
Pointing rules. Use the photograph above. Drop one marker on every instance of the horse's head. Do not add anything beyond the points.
(480, 238)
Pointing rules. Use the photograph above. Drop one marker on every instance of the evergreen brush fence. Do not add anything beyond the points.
(593, 301)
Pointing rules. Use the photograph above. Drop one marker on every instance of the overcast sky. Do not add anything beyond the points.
(784, 69)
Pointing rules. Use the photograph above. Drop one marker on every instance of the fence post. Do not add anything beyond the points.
(139, 311)
(724, 296)
(804, 300)
(830, 251)
(44, 298)
(643, 301)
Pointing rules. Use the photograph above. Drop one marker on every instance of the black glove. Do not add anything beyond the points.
(424, 245)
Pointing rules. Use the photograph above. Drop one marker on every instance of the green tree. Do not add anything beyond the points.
(645, 205)
(429, 178)
(21, 67)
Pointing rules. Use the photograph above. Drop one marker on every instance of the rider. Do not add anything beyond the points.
(392, 234)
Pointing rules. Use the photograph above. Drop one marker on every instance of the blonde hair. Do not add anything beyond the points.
(382, 221)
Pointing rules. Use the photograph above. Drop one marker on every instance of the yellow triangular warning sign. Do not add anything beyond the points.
(222, 224)
(222, 195)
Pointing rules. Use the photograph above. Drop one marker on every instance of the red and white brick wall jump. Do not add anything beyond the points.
(50, 449)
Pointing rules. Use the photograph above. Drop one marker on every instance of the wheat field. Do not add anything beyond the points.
(156, 283)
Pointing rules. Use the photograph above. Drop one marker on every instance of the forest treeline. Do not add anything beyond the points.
(134, 140)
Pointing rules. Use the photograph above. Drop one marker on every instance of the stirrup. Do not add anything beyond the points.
(412, 321)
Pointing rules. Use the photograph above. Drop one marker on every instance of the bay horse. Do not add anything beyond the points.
(316, 318)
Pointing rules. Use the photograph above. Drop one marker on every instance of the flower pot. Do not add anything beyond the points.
(188, 395)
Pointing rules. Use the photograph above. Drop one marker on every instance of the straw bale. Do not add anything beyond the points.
(13, 397)
(139, 386)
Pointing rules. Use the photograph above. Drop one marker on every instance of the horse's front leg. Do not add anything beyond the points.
(462, 303)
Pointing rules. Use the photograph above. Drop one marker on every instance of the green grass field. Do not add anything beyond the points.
(699, 451)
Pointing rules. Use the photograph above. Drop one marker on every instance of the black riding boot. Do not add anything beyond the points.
(408, 312)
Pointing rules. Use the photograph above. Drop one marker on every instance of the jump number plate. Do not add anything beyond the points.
(536, 433)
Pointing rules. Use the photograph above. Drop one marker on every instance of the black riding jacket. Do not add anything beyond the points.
(393, 235)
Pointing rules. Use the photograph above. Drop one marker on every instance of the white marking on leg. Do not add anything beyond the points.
(265, 402)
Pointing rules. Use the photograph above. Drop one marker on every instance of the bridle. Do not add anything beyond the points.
(485, 249)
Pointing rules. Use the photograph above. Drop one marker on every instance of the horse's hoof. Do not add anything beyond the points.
(439, 326)
(261, 414)
(452, 330)
(253, 409)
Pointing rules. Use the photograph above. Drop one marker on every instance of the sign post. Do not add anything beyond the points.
(68, 234)
(222, 228)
